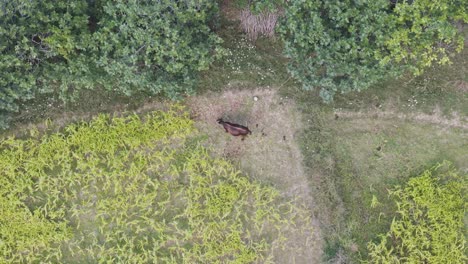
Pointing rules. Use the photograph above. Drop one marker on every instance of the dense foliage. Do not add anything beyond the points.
(122, 45)
(334, 44)
(425, 32)
(342, 46)
(428, 227)
(37, 38)
(154, 46)
(128, 190)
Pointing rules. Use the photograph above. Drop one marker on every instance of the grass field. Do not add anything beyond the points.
(365, 143)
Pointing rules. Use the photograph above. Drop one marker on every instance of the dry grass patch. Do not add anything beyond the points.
(270, 154)
(256, 25)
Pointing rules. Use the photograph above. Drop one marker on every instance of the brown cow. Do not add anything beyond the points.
(235, 129)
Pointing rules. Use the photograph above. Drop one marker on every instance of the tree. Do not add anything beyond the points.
(425, 33)
(428, 226)
(126, 46)
(154, 46)
(342, 46)
(36, 37)
(335, 44)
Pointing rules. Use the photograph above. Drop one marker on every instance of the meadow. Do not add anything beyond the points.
(135, 190)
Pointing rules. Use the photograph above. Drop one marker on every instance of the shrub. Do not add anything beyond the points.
(38, 37)
(425, 33)
(428, 227)
(334, 45)
(154, 46)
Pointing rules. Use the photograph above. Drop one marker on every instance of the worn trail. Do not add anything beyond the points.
(436, 118)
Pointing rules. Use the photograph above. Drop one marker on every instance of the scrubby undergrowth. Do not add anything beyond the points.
(133, 190)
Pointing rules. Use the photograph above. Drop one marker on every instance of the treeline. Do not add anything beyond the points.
(125, 46)
(348, 45)
(158, 47)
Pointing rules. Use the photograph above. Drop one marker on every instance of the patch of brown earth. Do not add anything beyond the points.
(229, 10)
(461, 86)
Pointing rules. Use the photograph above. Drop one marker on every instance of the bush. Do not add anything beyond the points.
(37, 39)
(154, 46)
(428, 227)
(425, 33)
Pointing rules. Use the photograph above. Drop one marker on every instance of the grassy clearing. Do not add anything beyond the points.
(246, 64)
(345, 170)
(133, 191)
(365, 143)
(371, 156)
(352, 162)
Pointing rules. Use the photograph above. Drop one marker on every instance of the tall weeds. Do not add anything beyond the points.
(133, 190)
(256, 25)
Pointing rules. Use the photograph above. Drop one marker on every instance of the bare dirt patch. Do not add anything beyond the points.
(461, 86)
(229, 10)
(270, 154)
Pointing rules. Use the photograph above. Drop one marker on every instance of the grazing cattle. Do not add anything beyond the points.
(235, 129)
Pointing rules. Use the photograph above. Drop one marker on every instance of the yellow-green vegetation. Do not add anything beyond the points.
(133, 190)
(428, 227)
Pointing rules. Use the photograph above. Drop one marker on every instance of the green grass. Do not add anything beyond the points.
(439, 86)
(365, 171)
(49, 106)
(344, 166)
(428, 224)
(352, 159)
(246, 64)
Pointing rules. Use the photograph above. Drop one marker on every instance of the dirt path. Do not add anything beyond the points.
(436, 118)
(271, 154)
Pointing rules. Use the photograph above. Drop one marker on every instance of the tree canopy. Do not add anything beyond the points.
(158, 47)
(425, 32)
(122, 45)
(342, 46)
